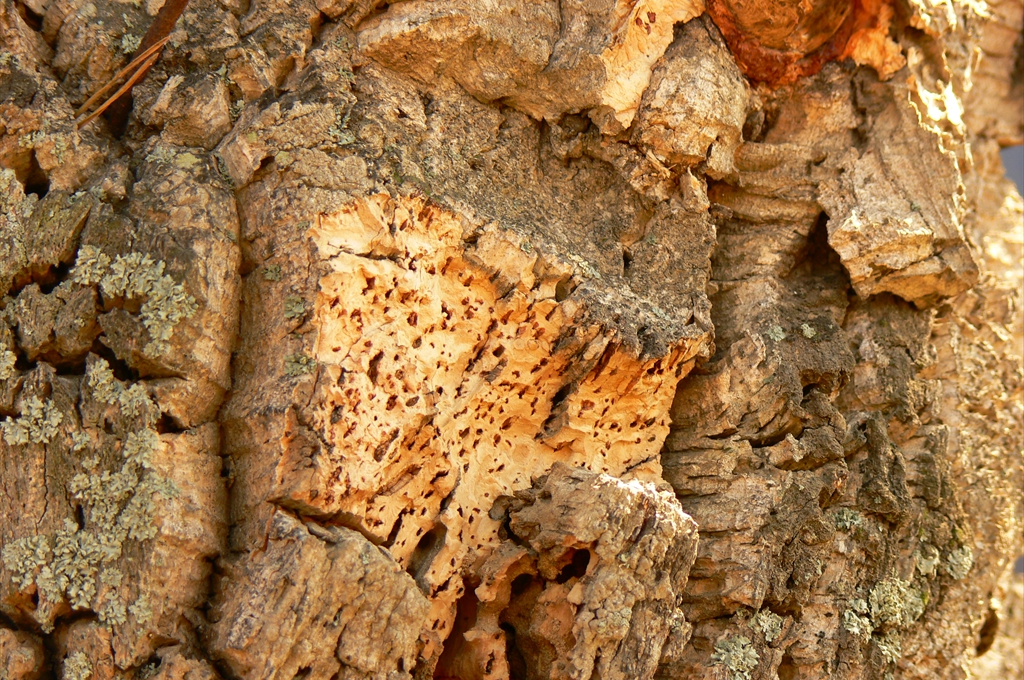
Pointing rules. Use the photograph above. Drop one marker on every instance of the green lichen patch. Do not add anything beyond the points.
(134, 400)
(768, 622)
(80, 442)
(142, 609)
(24, 557)
(38, 423)
(914, 605)
(856, 619)
(891, 646)
(80, 563)
(7, 361)
(888, 602)
(139, 447)
(129, 43)
(100, 379)
(77, 667)
(294, 307)
(959, 562)
(298, 364)
(90, 266)
(112, 612)
(137, 276)
(846, 519)
(927, 559)
(776, 333)
(736, 653)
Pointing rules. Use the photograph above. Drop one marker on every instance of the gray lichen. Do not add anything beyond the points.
(24, 557)
(111, 577)
(119, 506)
(38, 423)
(294, 307)
(298, 364)
(135, 401)
(776, 333)
(112, 612)
(856, 619)
(77, 667)
(768, 622)
(959, 562)
(100, 379)
(7, 361)
(736, 653)
(845, 519)
(129, 43)
(138, 276)
(914, 605)
(138, 517)
(142, 609)
(888, 602)
(76, 559)
(167, 305)
(927, 559)
(90, 266)
(140, 446)
(891, 646)
(80, 442)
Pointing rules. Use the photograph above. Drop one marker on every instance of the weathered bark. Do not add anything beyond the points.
(512, 340)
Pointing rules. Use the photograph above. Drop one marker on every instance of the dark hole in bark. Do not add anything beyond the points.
(787, 670)
(426, 549)
(514, 657)
(753, 127)
(465, 619)
(810, 388)
(265, 163)
(35, 180)
(393, 534)
(563, 289)
(987, 635)
(577, 567)
(818, 256)
(167, 425)
(521, 583)
(34, 21)
(371, 372)
(53, 277)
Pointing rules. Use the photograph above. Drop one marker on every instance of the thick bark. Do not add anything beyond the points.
(511, 340)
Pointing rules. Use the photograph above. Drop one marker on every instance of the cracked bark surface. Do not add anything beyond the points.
(511, 340)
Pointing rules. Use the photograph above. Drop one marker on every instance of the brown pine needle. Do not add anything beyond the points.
(132, 66)
(149, 61)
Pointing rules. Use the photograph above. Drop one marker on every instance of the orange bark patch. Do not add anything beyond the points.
(779, 41)
(450, 374)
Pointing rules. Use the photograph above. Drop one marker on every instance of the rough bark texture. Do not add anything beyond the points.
(544, 340)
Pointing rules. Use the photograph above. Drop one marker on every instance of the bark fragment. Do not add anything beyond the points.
(322, 602)
(551, 59)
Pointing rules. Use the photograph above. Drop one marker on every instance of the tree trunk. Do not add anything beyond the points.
(512, 339)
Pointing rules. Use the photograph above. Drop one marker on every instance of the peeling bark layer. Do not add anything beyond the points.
(552, 340)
